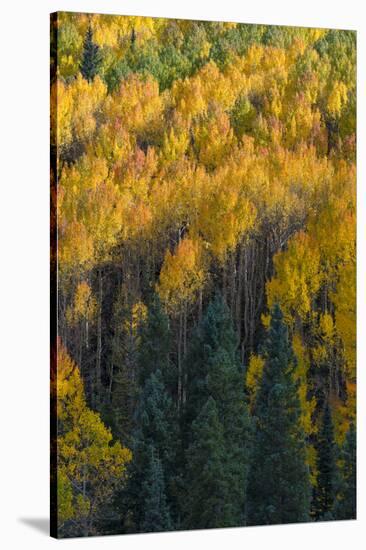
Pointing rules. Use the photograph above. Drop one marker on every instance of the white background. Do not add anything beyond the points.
(24, 279)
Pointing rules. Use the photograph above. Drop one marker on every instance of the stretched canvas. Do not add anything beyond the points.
(203, 218)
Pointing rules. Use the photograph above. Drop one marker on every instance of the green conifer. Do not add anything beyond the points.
(347, 495)
(205, 503)
(91, 57)
(215, 373)
(155, 344)
(278, 486)
(156, 510)
(156, 428)
(324, 492)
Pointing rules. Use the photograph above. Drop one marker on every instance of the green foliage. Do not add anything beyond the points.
(156, 510)
(123, 356)
(214, 337)
(117, 71)
(243, 116)
(345, 507)
(89, 67)
(278, 485)
(69, 45)
(205, 503)
(325, 490)
(196, 159)
(155, 342)
(216, 383)
(152, 473)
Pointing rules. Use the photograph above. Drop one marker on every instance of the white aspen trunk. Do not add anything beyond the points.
(99, 340)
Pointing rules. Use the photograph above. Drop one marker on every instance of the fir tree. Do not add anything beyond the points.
(214, 372)
(278, 486)
(205, 501)
(225, 383)
(91, 57)
(156, 510)
(324, 492)
(155, 344)
(346, 498)
(123, 364)
(214, 337)
(156, 427)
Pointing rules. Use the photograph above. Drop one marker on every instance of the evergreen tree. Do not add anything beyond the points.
(123, 366)
(346, 499)
(225, 383)
(205, 501)
(156, 510)
(91, 57)
(214, 372)
(155, 344)
(156, 428)
(214, 338)
(278, 485)
(324, 492)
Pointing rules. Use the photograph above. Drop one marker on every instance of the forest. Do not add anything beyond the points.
(203, 274)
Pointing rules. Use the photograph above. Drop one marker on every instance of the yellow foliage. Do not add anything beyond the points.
(137, 105)
(77, 105)
(311, 459)
(90, 210)
(89, 465)
(344, 413)
(326, 326)
(214, 140)
(65, 506)
(300, 376)
(84, 306)
(297, 278)
(61, 112)
(344, 299)
(266, 320)
(224, 215)
(138, 316)
(188, 98)
(254, 376)
(145, 164)
(183, 273)
(337, 99)
(174, 145)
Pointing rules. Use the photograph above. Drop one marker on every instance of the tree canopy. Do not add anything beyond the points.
(204, 199)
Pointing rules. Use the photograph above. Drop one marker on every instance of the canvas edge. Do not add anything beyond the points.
(53, 282)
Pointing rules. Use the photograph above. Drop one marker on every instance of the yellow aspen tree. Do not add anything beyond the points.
(89, 465)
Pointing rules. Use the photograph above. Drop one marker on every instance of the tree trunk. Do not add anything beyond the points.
(200, 300)
(239, 292)
(179, 389)
(184, 352)
(98, 392)
(224, 282)
(80, 346)
(87, 333)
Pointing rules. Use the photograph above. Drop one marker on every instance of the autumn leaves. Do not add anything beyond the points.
(198, 160)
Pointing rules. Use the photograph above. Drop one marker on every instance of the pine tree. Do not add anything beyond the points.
(91, 57)
(226, 385)
(205, 501)
(278, 485)
(156, 427)
(346, 498)
(324, 492)
(155, 344)
(123, 365)
(214, 337)
(156, 510)
(214, 372)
